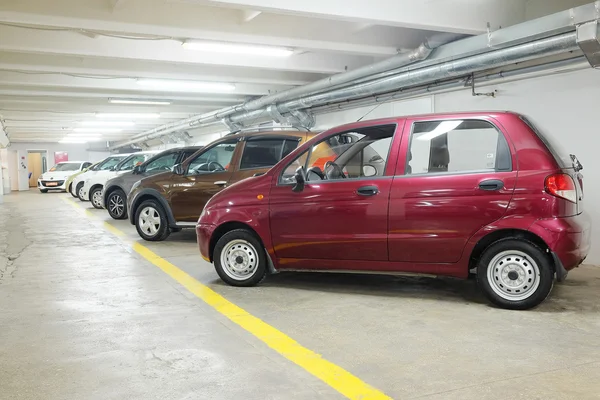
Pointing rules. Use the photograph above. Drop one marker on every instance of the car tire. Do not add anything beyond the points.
(43, 190)
(70, 190)
(79, 191)
(96, 197)
(151, 221)
(240, 258)
(515, 274)
(116, 204)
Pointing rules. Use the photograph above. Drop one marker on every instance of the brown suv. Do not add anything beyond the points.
(168, 202)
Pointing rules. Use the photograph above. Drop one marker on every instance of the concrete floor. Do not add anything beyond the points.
(83, 317)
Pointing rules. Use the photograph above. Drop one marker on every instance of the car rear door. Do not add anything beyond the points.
(454, 177)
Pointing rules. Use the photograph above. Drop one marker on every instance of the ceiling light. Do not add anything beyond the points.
(148, 102)
(97, 130)
(107, 123)
(236, 48)
(128, 115)
(443, 127)
(68, 140)
(186, 86)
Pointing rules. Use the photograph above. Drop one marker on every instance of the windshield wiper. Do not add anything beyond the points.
(576, 164)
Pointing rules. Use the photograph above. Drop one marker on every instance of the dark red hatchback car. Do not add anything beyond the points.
(434, 194)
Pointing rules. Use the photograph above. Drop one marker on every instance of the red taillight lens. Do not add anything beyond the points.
(563, 186)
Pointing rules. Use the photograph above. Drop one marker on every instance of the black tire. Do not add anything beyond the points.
(116, 204)
(96, 192)
(515, 266)
(44, 190)
(162, 232)
(242, 237)
(78, 191)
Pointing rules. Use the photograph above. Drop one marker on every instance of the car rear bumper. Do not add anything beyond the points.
(568, 238)
(203, 234)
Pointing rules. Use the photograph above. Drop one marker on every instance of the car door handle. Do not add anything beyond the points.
(368, 190)
(491, 185)
(221, 183)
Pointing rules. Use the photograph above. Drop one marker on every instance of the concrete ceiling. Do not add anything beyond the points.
(61, 61)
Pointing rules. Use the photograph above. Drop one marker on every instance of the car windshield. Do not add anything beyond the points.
(108, 163)
(130, 162)
(65, 167)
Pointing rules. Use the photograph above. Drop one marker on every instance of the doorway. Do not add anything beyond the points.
(37, 165)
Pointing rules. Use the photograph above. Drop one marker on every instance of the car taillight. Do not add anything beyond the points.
(563, 186)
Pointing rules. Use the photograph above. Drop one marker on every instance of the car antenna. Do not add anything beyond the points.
(369, 112)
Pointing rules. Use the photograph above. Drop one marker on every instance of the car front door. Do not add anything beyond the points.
(204, 176)
(453, 177)
(341, 212)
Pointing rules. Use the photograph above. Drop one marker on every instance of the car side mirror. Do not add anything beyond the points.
(300, 177)
(178, 169)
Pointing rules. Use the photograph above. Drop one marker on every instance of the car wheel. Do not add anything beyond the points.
(240, 259)
(79, 190)
(515, 274)
(116, 204)
(96, 197)
(70, 190)
(44, 190)
(151, 221)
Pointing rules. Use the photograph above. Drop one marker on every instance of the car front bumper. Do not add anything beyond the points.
(203, 234)
(51, 184)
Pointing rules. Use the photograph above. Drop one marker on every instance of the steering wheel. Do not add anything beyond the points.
(334, 171)
(218, 167)
(317, 171)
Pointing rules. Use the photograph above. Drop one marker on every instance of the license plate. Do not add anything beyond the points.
(51, 184)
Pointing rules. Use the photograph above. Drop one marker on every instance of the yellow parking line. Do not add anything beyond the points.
(333, 375)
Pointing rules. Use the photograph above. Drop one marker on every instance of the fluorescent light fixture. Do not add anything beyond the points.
(107, 123)
(97, 130)
(72, 140)
(147, 102)
(128, 115)
(238, 48)
(186, 86)
(444, 127)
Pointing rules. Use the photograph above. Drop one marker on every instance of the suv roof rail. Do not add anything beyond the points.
(267, 129)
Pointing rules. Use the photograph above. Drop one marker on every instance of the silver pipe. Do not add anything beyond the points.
(466, 66)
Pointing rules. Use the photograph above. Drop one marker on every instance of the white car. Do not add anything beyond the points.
(104, 165)
(57, 177)
(93, 186)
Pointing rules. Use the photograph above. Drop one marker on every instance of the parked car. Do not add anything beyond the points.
(93, 185)
(56, 177)
(104, 165)
(114, 195)
(445, 195)
(174, 200)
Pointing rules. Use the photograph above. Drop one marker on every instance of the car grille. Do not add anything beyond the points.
(52, 183)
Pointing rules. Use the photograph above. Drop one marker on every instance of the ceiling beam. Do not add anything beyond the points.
(469, 17)
(200, 21)
(70, 43)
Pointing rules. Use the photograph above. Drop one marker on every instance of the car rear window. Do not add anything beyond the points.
(562, 157)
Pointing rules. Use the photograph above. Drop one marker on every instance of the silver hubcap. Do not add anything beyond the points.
(513, 275)
(116, 204)
(149, 221)
(97, 198)
(239, 259)
(80, 193)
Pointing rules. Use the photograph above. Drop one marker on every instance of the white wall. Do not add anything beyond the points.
(77, 152)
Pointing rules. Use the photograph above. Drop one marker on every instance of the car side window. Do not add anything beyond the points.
(265, 153)
(355, 154)
(457, 146)
(132, 162)
(163, 163)
(215, 159)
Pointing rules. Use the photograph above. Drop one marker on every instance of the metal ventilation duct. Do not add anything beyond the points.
(588, 40)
